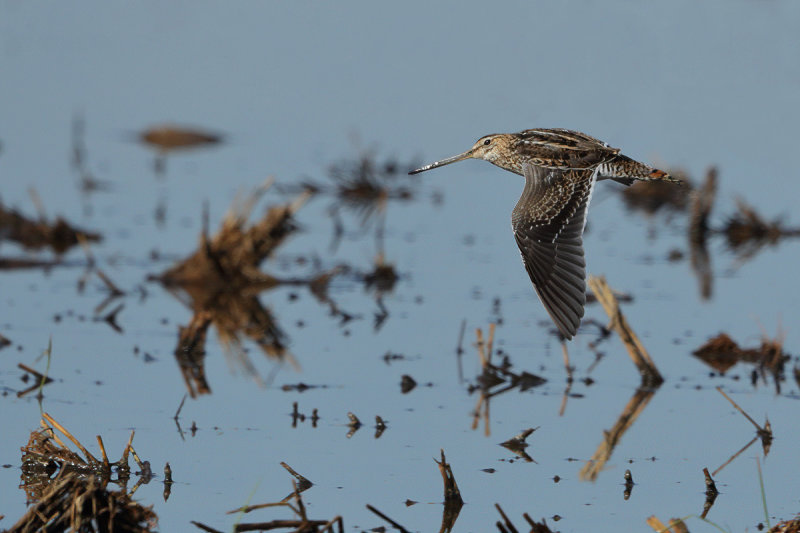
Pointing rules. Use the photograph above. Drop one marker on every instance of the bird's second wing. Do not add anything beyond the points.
(548, 224)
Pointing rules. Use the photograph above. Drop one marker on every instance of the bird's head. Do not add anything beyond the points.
(491, 148)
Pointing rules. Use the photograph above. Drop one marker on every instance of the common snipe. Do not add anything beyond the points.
(560, 169)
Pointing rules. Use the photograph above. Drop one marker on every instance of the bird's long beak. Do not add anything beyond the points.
(443, 162)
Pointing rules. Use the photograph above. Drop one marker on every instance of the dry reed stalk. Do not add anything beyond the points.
(676, 525)
(75, 441)
(636, 350)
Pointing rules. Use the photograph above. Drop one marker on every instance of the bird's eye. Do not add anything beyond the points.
(487, 141)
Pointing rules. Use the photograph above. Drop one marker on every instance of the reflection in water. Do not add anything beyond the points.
(87, 182)
(507, 526)
(628, 485)
(221, 282)
(702, 200)
(745, 232)
(294, 501)
(517, 444)
(611, 438)
(762, 433)
(452, 496)
(711, 493)
(498, 377)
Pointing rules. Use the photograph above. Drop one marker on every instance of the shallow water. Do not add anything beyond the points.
(298, 89)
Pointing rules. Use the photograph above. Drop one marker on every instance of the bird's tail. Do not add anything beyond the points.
(625, 170)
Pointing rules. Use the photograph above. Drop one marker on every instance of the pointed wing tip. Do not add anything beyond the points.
(568, 330)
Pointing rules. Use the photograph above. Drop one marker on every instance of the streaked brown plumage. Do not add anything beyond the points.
(560, 168)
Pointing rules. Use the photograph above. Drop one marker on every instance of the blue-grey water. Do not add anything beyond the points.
(297, 87)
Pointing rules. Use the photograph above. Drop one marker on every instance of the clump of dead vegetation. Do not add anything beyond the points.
(746, 232)
(168, 138)
(32, 234)
(69, 491)
(221, 282)
(787, 526)
(363, 187)
(721, 353)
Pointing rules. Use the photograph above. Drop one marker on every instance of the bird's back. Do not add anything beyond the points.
(562, 149)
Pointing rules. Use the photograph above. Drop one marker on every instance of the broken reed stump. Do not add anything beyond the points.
(452, 500)
(647, 368)
(452, 496)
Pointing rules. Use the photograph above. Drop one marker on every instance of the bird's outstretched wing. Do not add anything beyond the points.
(548, 223)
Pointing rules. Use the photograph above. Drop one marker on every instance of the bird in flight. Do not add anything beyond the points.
(560, 168)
